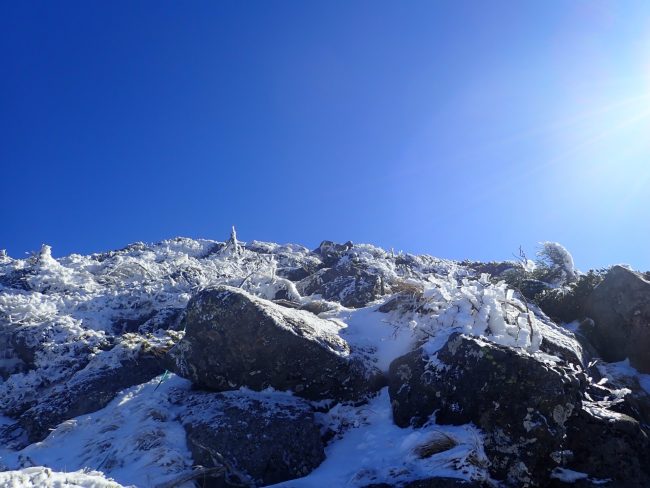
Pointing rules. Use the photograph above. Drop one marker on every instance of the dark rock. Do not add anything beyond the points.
(25, 344)
(26, 341)
(349, 284)
(493, 268)
(530, 288)
(567, 348)
(286, 303)
(317, 306)
(17, 279)
(165, 319)
(330, 252)
(260, 439)
(235, 339)
(620, 308)
(433, 483)
(130, 325)
(607, 445)
(294, 274)
(636, 403)
(567, 304)
(282, 294)
(10, 362)
(520, 403)
(87, 391)
(403, 302)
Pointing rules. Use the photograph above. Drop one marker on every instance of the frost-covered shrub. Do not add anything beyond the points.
(555, 265)
(553, 268)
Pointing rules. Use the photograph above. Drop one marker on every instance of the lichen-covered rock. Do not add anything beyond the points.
(521, 402)
(258, 438)
(620, 309)
(235, 339)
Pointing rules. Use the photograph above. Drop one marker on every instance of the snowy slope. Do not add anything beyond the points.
(69, 309)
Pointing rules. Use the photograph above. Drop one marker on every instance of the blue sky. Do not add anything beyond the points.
(461, 129)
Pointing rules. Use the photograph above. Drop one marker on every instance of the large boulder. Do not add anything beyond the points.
(259, 439)
(520, 402)
(235, 339)
(620, 309)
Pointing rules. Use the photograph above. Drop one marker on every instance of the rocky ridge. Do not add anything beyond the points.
(251, 364)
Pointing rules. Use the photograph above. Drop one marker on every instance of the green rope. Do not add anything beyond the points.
(164, 377)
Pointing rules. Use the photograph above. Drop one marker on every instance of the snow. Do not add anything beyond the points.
(568, 475)
(369, 331)
(42, 477)
(623, 369)
(136, 439)
(374, 450)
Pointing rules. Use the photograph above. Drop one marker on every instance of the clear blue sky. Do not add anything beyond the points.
(461, 129)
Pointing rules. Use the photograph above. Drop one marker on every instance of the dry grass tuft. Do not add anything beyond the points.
(439, 442)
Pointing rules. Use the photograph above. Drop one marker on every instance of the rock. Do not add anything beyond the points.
(350, 284)
(296, 273)
(441, 482)
(620, 308)
(635, 402)
(330, 252)
(165, 319)
(530, 288)
(88, 391)
(566, 346)
(318, 306)
(260, 439)
(403, 302)
(493, 268)
(608, 445)
(129, 324)
(235, 339)
(17, 278)
(567, 303)
(521, 403)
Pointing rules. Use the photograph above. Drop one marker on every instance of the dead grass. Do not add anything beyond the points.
(438, 442)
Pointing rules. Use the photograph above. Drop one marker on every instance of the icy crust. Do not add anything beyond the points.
(42, 477)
